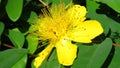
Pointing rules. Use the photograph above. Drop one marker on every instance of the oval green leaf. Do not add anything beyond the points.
(93, 56)
(10, 57)
(16, 37)
(14, 9)
(100, 54)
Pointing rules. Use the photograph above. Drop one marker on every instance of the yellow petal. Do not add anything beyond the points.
(85, 31)
(43, 55)
(77, 13)
(66, 52)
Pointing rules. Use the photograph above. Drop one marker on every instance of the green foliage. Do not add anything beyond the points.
(16, 37)
(21, 63)
(115, 62)
(93, 56)
(19, 47)
(32, 17)
(104, 20)
(13, 57)
(32, 43)
(14, 9)
(114, 4)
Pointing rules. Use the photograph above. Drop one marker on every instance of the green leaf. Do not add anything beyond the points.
(1, 27)
(114, 26)
(32, 43)
(101, 54)
(106, 22)
(14, 9)
(21, 63)
(115, 63)
(52, 61)
(16, 37)
(114, 4)
(33, 16)
(10, 57)
(93, 56)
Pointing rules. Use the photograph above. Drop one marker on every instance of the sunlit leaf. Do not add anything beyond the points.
(32, 17)
(10, 57)
(14, 9)
(16, 37)
(32, 43)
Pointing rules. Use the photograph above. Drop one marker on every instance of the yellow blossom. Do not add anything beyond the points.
(62, 26)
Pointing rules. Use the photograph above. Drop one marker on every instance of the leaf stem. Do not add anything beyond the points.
(7, 45)
(114, 44)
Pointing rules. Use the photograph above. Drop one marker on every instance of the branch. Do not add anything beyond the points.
(43, 3)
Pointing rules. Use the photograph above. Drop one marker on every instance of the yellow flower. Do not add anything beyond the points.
(62, 26)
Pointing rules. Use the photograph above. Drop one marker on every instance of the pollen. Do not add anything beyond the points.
(53, 24)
